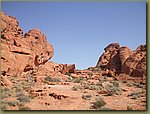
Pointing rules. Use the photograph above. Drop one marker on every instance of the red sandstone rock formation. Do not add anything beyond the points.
(22, 52)
(122, 60)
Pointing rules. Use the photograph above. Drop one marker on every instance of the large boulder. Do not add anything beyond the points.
(136, 61)
(124, 53)
(110, 58)
(122, 60)
(140, 69)
(22, 52)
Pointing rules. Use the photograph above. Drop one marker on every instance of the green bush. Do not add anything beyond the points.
(98, 103)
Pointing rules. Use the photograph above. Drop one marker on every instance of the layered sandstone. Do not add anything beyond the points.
(22, 52)
(123, 60)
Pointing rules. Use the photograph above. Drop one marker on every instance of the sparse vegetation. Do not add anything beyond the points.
(130, 84)
(67, 73)
(52, 79)
(115, 83)
(102, 79)
(13, 103)
(4, 105)
(76, 88)
(23, 99)
(69, 79)
(5, 92)
(135, 94)
(113, 89)
(93, 87)
(77, 80)
(139, 85)
(124, 81)
(86, 97)
(90, 73)
(98, 103)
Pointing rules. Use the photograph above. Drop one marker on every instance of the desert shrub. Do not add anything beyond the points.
(67, 73)
(130, 84)
(13, 103)
(86, 97)
(5, 89)
(98, 103)
(99, 84)
(24, 108)
(26, 85)
(19, 93)
(17, 88)
(30, 79)
(77, 80)
(4, 106)
(90, 74)
(76, 88)
(115, 83)
(111, 90)
(69, 79)
(23, 99)
(102, 79)
(31, 96)
(94, 87)
(52, 79)
(136, 94)
(5, 92)
(124, 81)
(139, 85)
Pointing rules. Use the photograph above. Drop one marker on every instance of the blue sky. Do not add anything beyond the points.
(79, 31)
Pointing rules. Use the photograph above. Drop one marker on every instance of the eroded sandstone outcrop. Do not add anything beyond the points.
(22, 52)
(122, 60)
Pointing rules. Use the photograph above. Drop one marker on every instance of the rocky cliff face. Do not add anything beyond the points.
(123, 60)
(22, 52)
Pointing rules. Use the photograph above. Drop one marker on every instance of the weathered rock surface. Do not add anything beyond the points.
(22, 52)
(122, 60)
(6, 82)
(136, 63)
